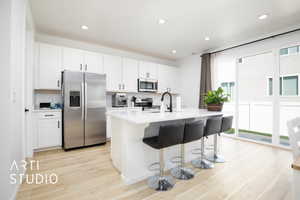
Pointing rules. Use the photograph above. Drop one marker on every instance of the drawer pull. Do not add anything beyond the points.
(49, 115)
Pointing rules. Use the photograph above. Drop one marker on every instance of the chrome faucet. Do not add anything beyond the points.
(162, 99)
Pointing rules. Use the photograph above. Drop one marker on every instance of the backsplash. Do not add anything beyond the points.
(156, 97)
(42, 96)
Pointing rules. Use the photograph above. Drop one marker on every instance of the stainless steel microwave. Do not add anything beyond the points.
(147, 85)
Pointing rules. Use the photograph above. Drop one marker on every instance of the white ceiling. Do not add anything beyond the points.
(132, 24)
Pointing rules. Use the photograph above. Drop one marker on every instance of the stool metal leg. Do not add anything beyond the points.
(215, 157)
(161, 182)
(202, 163)
(181, 172)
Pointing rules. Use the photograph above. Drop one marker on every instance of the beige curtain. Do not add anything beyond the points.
(205, 81)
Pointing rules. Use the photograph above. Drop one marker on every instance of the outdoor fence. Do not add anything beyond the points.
(258, 116)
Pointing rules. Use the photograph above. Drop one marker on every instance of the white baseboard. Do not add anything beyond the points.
(47, 148)
(257, 142)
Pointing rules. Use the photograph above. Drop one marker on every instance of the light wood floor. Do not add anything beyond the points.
(252, 171)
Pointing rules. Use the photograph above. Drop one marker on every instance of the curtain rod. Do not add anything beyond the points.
(259, 40)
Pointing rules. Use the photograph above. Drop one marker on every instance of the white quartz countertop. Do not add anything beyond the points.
(46, 110)
(142, 117)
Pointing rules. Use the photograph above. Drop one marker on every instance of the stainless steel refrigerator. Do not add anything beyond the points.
(84, 107)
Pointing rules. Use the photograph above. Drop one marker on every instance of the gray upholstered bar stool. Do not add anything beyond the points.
(169, 135)
(213, 126)
(225, 126)
(192, 131)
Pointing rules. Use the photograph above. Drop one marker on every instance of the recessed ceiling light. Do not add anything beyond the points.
(84, 27)
(264, 16)
(174, 51)
(161, 21)
(206, 38)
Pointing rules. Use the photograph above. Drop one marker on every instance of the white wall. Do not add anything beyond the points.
(28, 81)
(5, 11)
(98, 48)
(190, 69)
(12, 37)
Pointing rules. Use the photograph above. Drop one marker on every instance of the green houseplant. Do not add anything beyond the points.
(214, 99)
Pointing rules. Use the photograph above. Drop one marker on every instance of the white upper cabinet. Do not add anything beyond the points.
(113, 70)
(121, 73)
(167, 79)
(163, 73)
(48, 67)
(148, 70)
(79, 60)
(72, 59)
(93, 62)
(130, 75)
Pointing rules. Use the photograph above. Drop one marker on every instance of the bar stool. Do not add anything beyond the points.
(226, 125)
(213, 126)
(169, 135)
(192, 131)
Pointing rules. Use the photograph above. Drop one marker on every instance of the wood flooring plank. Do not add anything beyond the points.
(252, 172)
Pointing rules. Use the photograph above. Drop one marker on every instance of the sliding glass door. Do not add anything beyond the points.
(254, 106)
(264, 91)
(289, 71)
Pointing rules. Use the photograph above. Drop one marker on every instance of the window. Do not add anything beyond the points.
(228, 88)
(284, 51)
(289, 51)
(293, 50)
(289, 85)
(270, 86)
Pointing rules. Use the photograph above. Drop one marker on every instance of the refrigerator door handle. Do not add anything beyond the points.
(85, 99)
(82, 101)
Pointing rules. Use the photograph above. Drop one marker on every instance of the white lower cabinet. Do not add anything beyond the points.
(48, 132)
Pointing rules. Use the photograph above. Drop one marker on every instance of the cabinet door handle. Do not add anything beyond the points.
(80, 67)
(147, 74)
(85, 67)
(58, 83)
(119, 86)
(58, 124)
(123, 86)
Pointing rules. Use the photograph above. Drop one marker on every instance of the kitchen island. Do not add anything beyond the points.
(127, 128)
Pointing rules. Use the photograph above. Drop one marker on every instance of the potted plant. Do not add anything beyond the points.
(214, 99)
